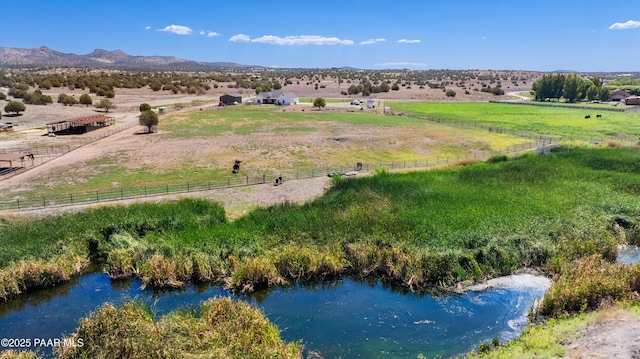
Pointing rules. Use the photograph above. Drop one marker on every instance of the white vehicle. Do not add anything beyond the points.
(355, 102)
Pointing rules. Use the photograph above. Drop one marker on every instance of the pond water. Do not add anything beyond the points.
(338, 319)
(629, 254)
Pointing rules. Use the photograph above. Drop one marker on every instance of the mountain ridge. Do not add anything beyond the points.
(100, 58)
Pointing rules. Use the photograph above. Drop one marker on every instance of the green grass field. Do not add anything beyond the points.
(564, 213)
(558, 121)
(441, 226)
(268, 142)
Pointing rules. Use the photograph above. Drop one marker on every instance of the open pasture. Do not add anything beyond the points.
(560, 122)
(202, 145)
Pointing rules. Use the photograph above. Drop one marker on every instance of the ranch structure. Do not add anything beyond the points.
(619, 95)
(277, 98)
(80, 125)
(231, 99)
(11, 159)
(632, 100)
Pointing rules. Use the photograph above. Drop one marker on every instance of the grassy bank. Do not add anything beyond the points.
(553, 338)
(220, 328)
(418, 229)
(44, 252)
(557, 121)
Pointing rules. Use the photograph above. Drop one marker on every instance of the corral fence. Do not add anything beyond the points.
(240, 180)
(45, 154)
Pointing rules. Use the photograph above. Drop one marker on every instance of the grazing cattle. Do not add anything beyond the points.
(598, 116)
(236, 166)
(359, 166)
(587, 116)
(279, 180)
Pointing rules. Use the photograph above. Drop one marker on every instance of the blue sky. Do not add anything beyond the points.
(540, 35)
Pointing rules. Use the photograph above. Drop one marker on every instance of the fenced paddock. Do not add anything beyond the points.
(45, 154)
(69, 199)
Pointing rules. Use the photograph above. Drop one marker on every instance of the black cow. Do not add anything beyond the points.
(236, 166)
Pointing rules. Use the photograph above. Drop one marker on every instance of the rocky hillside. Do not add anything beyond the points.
(44, 56)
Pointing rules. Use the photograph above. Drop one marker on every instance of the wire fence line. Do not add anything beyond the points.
(542, 104)
(523, 134)
(43, 155)
(240, 180)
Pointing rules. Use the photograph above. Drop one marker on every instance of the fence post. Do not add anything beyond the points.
(145, 190)
(18, 204)
(228, 182)
(97, 196)
(71, 197)
(44, 202)
(247, 179)
(263, 178)
(188, 188)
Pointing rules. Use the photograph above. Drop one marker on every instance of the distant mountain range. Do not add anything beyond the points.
(118, 59)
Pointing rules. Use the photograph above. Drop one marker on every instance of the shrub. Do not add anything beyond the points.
(10, 354)
(589, 281)
(498, 158)
(254, 273)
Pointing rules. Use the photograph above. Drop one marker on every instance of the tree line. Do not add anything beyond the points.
(571, 87)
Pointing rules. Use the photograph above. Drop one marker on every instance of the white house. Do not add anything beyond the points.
(277, 98)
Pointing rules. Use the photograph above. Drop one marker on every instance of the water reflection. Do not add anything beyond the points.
(342, 318)
(629, 254)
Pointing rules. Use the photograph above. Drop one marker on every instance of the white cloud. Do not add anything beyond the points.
(405, 41)
(212, 34)
(372, 41)
(625, 25)
(240, 38)
(201, 32)
(301, 40)
(147, 27)
(381, 39)
(178, 29)
(401, 64)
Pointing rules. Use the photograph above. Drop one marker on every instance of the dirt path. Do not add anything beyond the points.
(615, 334)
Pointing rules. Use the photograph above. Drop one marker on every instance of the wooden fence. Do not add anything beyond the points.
(48, 153)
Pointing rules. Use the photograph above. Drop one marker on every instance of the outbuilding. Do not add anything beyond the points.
(11, 159)
(632, 100)
(619, 95)
(80, 125)
(231, 99)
